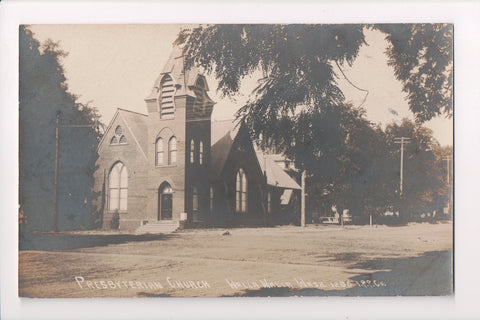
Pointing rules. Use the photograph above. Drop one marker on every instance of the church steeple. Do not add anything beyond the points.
(175, 81)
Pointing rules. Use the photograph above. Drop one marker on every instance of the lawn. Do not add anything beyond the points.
(281, 261)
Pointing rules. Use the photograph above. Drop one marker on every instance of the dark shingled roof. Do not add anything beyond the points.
(223, 136)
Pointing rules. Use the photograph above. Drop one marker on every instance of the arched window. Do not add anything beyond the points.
(192, 151)
(200, 154)
(241, 191)
(172, 151)
(119, 137)
(118, 187)
(269, 202)
(159, 152)
(194, 199)
(167, 109)
(211, 199)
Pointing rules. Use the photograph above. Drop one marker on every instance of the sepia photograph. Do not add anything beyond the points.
(214, 160)
(235, 160)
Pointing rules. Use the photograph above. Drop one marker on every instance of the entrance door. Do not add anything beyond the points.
(165, 202)
(166, 206)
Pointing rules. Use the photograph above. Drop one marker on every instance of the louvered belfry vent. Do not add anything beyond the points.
(167, 108)
(199, 100)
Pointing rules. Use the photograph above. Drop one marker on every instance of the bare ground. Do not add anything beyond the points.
(281, 261)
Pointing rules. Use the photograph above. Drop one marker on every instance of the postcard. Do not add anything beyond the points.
(235, 160)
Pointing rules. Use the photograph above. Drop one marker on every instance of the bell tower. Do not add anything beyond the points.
(198, 134)
(179, 107)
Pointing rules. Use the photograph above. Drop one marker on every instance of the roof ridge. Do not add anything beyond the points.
(130, 111)
(108, 128)
(224, 120)
(134, 137)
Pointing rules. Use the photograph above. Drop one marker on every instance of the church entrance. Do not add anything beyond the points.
(165, 202)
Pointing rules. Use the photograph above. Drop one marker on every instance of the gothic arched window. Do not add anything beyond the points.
(119, 137)
(159, 152)
(201, 153)
(172, 151)
(192, 151)
(211, 198)
(118, 187)
(241, 190)
(269, 202)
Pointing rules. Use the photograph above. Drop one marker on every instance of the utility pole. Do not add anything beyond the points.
(57, 139)
(302, 222)
(401, 141)
(55, 194)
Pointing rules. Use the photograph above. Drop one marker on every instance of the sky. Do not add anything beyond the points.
(115, 66)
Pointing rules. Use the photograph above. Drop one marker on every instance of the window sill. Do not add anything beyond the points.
(119, 212)
(166, 166)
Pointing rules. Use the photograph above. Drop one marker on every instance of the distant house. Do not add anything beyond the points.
(174, 166)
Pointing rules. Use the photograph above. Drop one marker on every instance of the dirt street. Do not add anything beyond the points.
(281, 261)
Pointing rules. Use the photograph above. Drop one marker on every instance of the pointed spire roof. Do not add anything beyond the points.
(183, 79)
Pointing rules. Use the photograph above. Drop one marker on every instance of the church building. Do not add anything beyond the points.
(174, 167)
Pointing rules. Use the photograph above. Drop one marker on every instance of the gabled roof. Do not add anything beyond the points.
(136, 123)
(276, 176)
(221, 127)
(223, 136)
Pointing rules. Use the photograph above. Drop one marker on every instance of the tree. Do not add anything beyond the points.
(298, 61)
(298, 107)
(351, 171)
(424, 187)
(422, 57)
(43, 93)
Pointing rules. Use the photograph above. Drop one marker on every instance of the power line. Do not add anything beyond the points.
(364, 90)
